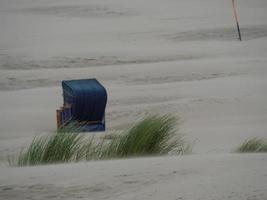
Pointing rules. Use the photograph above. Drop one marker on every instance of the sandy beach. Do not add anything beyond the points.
(152, 56)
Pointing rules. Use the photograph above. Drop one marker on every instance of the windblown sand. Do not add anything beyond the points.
(153, 56)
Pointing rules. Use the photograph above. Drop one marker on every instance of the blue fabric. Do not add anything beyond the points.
(88, 99)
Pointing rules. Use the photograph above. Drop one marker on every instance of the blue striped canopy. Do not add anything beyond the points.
(87, 97)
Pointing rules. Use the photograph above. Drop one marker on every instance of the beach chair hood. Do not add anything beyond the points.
(87, 97)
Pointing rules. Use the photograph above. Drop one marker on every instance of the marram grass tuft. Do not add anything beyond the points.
(154, 135)
(253, 145)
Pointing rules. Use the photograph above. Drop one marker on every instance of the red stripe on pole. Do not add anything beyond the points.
(236, 19)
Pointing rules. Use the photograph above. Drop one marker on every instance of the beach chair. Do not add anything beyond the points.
(84, 104)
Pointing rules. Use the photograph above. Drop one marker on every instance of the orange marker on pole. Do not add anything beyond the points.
(236, 19)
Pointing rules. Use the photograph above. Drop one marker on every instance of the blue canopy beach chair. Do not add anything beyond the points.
(85, 103)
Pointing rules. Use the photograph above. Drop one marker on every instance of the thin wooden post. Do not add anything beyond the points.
(58, 112)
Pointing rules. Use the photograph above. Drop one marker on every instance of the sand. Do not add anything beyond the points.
(179, 57)
(223, 176)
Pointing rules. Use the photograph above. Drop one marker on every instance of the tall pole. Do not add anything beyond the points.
(236, 19)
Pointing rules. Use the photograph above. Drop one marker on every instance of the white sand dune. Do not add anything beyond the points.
(172, 56)
(207, 177)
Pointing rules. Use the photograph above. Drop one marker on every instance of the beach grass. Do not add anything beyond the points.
(62, 146)
(253, 145)
(153, 135)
